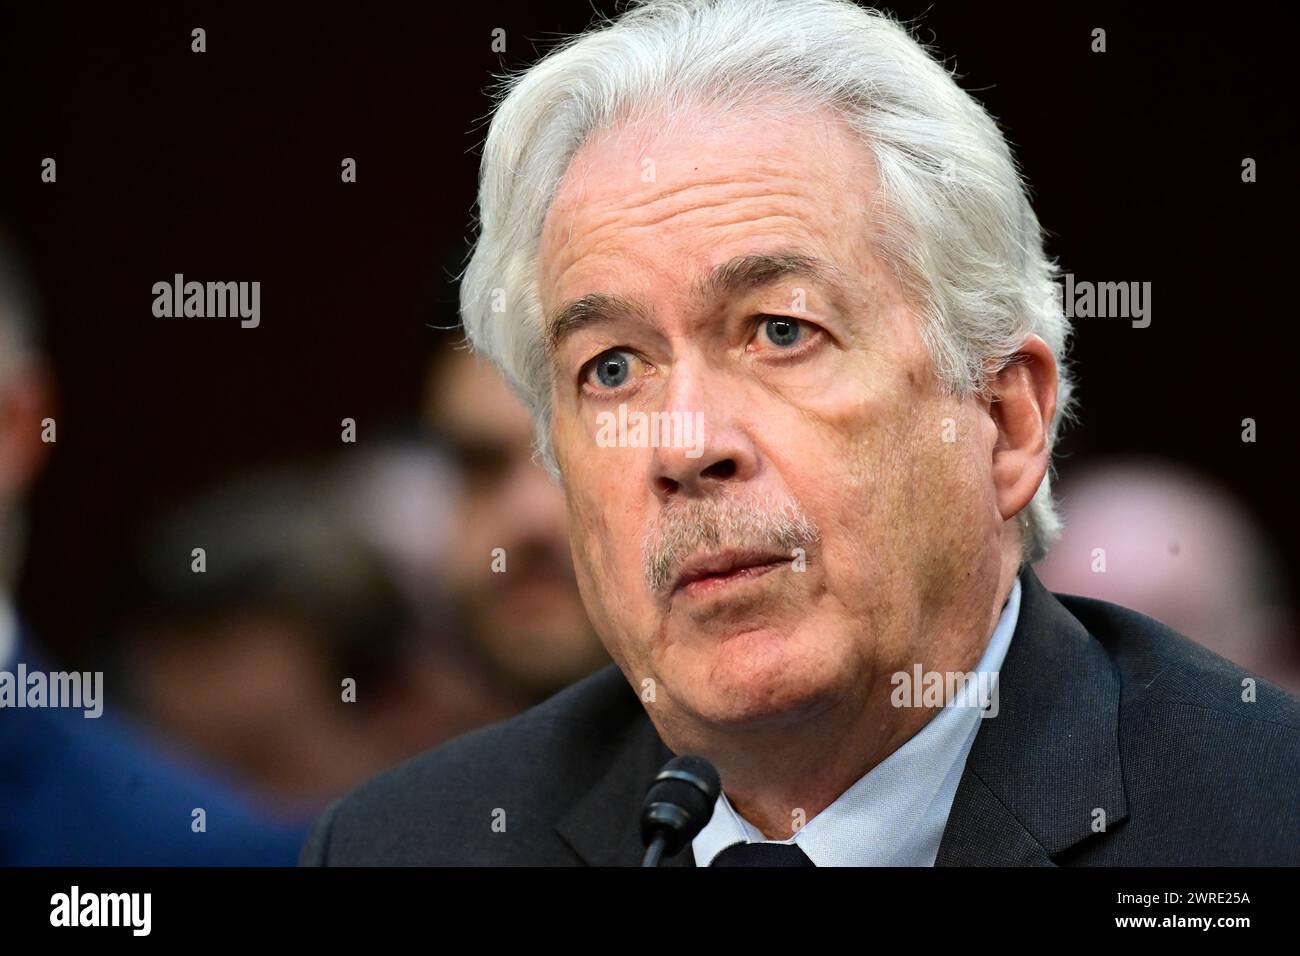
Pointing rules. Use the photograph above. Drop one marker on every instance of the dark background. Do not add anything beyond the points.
(225, 166)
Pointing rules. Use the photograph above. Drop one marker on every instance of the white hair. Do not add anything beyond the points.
(957, 228)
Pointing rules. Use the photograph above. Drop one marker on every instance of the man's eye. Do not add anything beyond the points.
(781, 331)
(610, 369)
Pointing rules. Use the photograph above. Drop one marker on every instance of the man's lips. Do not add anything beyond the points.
(706, 573)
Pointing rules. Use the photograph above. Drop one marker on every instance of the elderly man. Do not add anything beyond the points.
(784, 222)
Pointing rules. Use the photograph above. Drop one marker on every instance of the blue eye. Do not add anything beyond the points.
(612, 368)
(782, 331)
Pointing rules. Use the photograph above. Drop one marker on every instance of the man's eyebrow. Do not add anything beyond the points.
(737, 275)
(591, 309)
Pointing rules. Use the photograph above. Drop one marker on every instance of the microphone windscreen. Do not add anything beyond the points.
(680, 800)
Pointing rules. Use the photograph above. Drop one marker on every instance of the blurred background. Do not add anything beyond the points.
(371, 561)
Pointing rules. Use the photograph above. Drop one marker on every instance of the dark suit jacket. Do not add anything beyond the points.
(1100, 707)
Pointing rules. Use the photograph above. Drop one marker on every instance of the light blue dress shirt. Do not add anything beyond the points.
(896, 813)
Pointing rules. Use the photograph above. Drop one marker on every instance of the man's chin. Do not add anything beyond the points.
(760, 678)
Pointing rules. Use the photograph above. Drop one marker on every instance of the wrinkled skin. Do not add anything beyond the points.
(781, 679)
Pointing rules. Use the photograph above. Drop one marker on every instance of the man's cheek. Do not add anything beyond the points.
(612, 616)
(589, 591)
(595, 542)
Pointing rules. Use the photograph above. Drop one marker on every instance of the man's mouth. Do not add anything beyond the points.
(709, 573)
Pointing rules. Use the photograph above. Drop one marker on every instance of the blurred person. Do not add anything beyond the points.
(788, 220)
(402, 497)
(1181, 549)
(295, 660)
(527, 620)
(77, 789)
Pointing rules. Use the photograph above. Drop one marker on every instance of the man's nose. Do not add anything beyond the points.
(710, 445)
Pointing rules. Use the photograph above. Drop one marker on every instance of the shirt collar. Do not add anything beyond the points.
(895, 814)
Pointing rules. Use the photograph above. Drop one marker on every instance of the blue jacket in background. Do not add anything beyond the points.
(78, 791)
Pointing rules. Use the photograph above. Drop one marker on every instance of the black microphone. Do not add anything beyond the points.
(679, 802)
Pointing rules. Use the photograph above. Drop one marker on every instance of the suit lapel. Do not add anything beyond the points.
(1039, 772)
(604, 826)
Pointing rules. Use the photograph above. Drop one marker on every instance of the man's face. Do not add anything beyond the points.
(819, 406)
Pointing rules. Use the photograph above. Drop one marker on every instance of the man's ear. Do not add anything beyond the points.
(1022, 406)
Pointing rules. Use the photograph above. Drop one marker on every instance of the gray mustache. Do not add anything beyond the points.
(716, 524)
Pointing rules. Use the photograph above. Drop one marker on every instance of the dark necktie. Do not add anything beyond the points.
(762, 854)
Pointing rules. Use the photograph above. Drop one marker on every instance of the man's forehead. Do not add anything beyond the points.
(609, 226)
(651, 162)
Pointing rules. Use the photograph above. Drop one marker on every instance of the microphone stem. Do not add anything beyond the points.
(655, 851)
